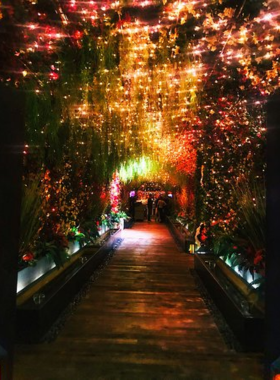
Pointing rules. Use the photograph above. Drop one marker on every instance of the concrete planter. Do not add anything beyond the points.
(29, 275)
(181, 235)
(73, 247)
(44, 265)
(103, 229)
(245, 274)
(38, 311)
(236, 299)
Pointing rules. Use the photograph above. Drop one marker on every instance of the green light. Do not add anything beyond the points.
(142, 167)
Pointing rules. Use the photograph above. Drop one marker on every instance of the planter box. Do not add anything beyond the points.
(38, 313)
(236, 300)
(29, 275)
(181, 235)
(103, 229)
(73, 247)
(245, 274)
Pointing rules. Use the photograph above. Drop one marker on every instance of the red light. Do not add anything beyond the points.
(77, 35)
(53, 76)
(276, 377)
(103, 196)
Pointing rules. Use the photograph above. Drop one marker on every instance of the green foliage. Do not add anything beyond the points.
(106, 220)
(55, 248)
(31, 211)
(89, 230)
(116, 216)
(222, 243)
(75, 234)
(111, 54)
(251, 213)
(244, 245)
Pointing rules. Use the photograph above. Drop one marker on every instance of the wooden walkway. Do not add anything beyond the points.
(142, 319)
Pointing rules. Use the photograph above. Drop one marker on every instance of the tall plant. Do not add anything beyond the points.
(244, 243)
(31, 212)
(250, 198)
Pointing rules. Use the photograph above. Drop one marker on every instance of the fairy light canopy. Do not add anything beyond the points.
(153, 73)
(142, 169)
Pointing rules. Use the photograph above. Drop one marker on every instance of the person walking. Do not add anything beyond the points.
(150, 207)
(161, 205)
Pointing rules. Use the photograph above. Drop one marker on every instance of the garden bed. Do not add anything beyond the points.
(237, 300)
(40, 309)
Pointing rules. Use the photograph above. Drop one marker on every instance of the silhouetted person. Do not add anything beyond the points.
(150, 207)
(160, 206)
(132, 201)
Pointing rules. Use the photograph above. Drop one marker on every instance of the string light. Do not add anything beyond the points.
(189, 82)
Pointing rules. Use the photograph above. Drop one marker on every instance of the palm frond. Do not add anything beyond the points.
(252, 215)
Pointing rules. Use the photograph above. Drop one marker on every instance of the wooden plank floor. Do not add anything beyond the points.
(142, 319)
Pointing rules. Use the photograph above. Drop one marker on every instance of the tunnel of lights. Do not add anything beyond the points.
(142, 95)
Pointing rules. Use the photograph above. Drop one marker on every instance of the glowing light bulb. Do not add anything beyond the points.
(267, 17)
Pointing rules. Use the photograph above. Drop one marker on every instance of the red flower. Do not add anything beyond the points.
(28, 257)
(203, 238)
(259, 257)
(257, 260)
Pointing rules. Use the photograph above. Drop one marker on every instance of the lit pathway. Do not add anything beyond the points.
(143, 319)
